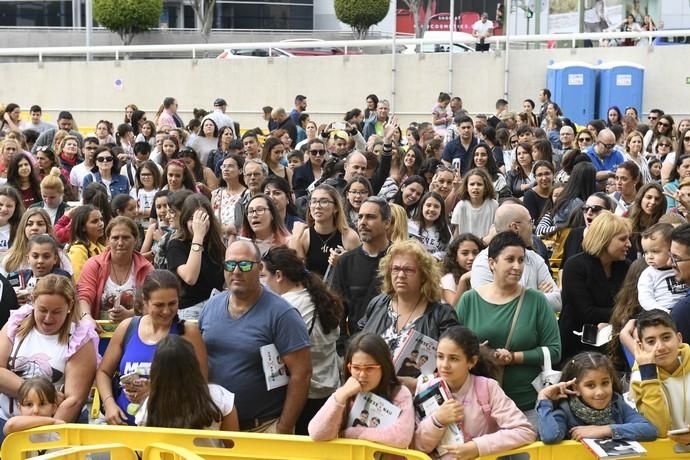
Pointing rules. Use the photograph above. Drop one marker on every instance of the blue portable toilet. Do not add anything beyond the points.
(573, 88)
(620, 84)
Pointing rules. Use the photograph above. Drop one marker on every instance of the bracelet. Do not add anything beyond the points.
(106, 398)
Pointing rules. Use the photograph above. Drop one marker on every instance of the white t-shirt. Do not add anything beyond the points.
(144, 198)
(221, 397)
(448, 282)
(659, 289)
(115, 294)
(4, 238)
(429, 237)
(77, 176)
(483, 28)
(473, 220)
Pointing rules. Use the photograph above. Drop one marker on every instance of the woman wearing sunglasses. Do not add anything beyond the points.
(195, 255)
(368, 368)
(105, 172)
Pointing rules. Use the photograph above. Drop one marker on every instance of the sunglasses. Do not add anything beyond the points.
(245, 265)
(594, 208)
(663, 144)
(104, 159)
(686, 139)
(665, 125)
(319, 153)
(585, 139)
(608, 146)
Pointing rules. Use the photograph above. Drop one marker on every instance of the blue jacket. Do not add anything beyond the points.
(119, 183)
(555, 422)
(610, 163)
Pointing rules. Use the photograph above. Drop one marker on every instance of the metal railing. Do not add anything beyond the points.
(194, 50)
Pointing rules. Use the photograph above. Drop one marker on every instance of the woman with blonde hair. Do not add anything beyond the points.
(326, 231)
(634, 152)
(8, 149)
(399, 229)
(592, 278)
(410, 298)
(69, 153)
(53, 196)
(49, 327)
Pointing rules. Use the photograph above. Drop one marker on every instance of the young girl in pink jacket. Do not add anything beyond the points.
(368, 368)
(490, 420)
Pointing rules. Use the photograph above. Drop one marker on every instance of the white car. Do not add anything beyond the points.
(458, 47)
(316, 50)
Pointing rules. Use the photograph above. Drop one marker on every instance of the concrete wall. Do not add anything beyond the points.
(332, 84)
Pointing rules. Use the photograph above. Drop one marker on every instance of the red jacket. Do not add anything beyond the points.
(96, 272)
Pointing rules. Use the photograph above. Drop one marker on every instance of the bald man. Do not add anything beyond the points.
(605, 154)
(536, 275)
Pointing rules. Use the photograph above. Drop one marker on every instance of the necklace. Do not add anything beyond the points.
(409, 317)
(324, 243)
(118, 280)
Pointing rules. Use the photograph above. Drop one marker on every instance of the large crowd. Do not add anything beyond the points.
(262, 279)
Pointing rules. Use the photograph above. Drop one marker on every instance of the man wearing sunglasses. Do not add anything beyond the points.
(605, 154)
(236, 324)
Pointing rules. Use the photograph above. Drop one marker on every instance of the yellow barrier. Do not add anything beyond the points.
(157, 451)
(243, 445)
(116, 451)
(662, 449)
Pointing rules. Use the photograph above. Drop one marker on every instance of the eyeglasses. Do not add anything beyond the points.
(664, 144)
(358, 192)
(104, 159)
(319, 153)
(585, 139)
(145, 174)
(245, 265)
(366, 369)
(686, 139)
(322, 203)
(652, 118)
(595, 208)
(608, 146)
(675, 261)
(396, 270)
(257, 211)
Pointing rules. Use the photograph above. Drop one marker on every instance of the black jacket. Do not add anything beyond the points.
(302, 178)
(437, 317)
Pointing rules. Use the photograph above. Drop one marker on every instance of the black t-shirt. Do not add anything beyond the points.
(534, 204)
(210, 273)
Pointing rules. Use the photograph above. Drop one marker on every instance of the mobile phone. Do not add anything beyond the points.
(455, 164)
(678, 431)
(129, 378)
(589, 334)
(339, 125)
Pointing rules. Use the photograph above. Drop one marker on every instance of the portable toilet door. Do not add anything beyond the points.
(620, 84)
(573, 88)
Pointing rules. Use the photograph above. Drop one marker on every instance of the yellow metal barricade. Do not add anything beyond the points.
(116, 451)
(160, 451)
(662, 449)
(241, 445)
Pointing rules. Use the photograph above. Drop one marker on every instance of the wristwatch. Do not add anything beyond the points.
(196, 247)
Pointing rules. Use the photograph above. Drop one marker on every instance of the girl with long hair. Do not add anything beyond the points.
(147, 182)
(262, 224)
(176, 177)
(646, 210)
(278, 190)
(537, 198)
(326, 231)
(86, 237)
(483, 158)
(179, 396)
(226, 135)
(520, 178)
(356, 191)
(286, 275)
(229, 192)
(21, 176)
(470, 381)
(11, 210)
(457, 266)
(203, 175)
(195, 254)
(272, 153)
(368, 367)
(206, 141)
(474, 212)
(170, 147)
(628, 182)
(124, 138)
(429, 224)
(411, 191)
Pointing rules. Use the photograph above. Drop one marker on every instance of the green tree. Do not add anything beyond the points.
(361, 14)
(204, 10)
(127, 17)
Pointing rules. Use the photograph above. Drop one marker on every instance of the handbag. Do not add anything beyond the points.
(547, 376)
(487, 353)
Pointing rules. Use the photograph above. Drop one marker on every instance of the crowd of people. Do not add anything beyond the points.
(261, 279)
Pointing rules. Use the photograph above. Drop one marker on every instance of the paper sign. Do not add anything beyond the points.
(624, 80)
(576, 79)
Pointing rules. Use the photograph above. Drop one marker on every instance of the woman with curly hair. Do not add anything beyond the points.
(457, 266)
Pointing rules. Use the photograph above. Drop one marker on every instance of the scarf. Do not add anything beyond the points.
(589, 415)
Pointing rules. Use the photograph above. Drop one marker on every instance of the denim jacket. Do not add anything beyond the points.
(556, 420)
(118, 185)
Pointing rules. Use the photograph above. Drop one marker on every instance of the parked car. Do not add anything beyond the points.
(316, 50)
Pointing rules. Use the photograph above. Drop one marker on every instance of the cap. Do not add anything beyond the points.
(484, 15)
(65, 115)
(219, 102)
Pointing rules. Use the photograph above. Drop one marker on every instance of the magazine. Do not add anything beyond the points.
(371, 410)
(416, 356)
(427, 403)
(614, 448)
(275, 371)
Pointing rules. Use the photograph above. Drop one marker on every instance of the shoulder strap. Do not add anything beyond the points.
(132, 327)
(481, 391)
(515, 318)
(129, 175)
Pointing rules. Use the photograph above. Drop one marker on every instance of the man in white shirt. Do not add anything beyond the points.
(537, 275)
(482, 30)
(83, 169)
(219, 116)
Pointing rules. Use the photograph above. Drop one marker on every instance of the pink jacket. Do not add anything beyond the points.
(166, 119)
(507, 428)
(96, 272)
(331, 418)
